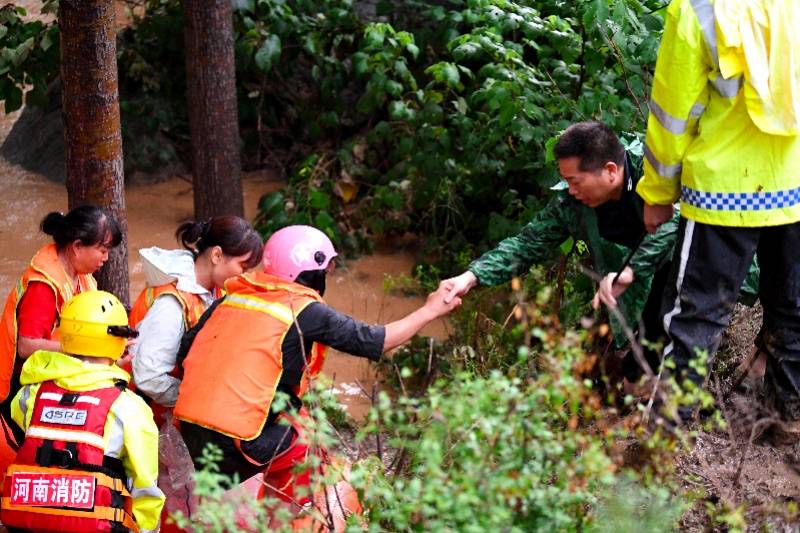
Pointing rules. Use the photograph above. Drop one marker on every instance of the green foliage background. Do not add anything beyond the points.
(428, 116)
(433, 117)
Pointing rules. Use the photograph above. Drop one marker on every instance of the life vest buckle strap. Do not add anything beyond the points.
(69, 398)
(117, 500)
(47, 456)
(44, 454)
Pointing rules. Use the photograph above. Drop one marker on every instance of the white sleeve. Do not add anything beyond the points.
(156, 348)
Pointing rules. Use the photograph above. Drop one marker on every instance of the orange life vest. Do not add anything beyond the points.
(45, 267)
(235, 364)
(61, 479)
(192, 305)
(193, 308)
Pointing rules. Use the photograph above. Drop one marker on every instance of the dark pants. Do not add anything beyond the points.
(245, 458)
(708, 269)
(652, 328)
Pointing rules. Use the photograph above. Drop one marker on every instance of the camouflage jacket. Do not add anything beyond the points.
(611, 232)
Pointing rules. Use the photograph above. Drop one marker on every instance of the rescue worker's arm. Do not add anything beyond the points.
(435, 306)
(22, 405)
(321, 323)
(318, 322)
(515, 255)
(655, 250)
(140, 459)
(679, 96)
(155, 350)
(27, 345)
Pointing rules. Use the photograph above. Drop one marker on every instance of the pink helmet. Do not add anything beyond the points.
(295, 249)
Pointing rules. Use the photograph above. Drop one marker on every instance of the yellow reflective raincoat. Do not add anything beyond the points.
(130, 433)
(722, 134)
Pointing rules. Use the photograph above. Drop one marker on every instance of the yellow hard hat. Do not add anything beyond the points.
(94, 323)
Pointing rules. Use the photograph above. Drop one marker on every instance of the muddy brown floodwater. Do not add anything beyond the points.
(154, 211)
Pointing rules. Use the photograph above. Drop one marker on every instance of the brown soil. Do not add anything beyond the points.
(726, 464)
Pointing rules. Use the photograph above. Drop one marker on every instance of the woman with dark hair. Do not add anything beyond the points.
(81, 241)
(181, 284)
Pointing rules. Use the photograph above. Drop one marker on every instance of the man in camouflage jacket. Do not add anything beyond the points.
(597, 203)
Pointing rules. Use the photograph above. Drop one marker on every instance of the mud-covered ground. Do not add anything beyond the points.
(729, 465)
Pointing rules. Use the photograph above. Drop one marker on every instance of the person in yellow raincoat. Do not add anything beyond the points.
(722, 136)
(85, 383)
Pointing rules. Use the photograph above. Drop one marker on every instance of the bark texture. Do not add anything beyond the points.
(213, 113)
(92, 134)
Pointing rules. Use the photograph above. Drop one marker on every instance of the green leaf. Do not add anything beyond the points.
(596, 13)
(652, 23)
(48, 39)
(268, 53)
(271, 203)
(360, 63)
(549, 145)
(393, 88)
(507, 112)
(318, 199)
(374, 35)
(325, 222)
(244, 5)
(446, 73)
(20, 53)
(566, 246)
(3, 30)
(399, 110)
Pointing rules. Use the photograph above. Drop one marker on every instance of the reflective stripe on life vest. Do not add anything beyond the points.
(233, 369)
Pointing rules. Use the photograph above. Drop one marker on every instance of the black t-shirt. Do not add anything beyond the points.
(321, 323)
(620, 221)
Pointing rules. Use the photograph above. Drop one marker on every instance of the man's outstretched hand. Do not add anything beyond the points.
(457, 286)
(437, 302)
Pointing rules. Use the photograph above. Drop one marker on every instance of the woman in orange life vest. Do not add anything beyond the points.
(181, 284)
(271, 332)
(81, 241)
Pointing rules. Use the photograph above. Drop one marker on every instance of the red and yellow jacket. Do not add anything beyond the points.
(128, 431)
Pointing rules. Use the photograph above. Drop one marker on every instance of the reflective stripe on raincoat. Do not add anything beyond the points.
(724, 112)
(130, 433)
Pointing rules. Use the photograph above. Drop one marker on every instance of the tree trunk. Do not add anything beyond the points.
(213, 114)
(92, 134)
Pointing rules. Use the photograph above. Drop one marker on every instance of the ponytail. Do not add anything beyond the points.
(232, 234)
(88, 224)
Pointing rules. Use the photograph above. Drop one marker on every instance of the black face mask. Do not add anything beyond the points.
(313, 279)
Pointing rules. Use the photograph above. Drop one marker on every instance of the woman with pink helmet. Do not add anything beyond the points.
(270, 333)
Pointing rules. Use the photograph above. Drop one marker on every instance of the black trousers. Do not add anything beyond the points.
(248, 458)
(652, 328)
(708, 268)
